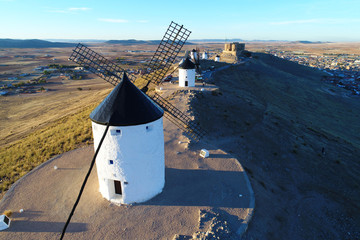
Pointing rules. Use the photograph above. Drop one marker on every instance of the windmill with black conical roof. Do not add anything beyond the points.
(195, 57)
(134, 119)
(187, 73)
(131, 164)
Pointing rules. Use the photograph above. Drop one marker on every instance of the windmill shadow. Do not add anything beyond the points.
(188, 187)
(43, 226)
(27, 214)
(212, 155)
(67, 168)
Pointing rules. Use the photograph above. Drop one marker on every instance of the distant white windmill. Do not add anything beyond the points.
(187, 73)
(205, 55)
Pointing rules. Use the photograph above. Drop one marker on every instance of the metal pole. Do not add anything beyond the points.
(84, 182)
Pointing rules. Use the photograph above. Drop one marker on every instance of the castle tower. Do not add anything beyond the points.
(131, 163)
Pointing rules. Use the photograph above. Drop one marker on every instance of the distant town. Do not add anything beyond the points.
(342, 70)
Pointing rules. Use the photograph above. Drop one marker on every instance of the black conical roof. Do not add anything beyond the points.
(126, 105)
(187, 64)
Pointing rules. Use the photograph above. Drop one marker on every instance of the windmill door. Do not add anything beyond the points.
(186, 83)
(117, 185)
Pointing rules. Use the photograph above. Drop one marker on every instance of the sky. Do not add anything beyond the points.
(293, 20)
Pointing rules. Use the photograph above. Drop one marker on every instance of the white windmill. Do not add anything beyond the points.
(128, 124)
(205, 55)
(187, 73)
(131, 162)
(193, 55)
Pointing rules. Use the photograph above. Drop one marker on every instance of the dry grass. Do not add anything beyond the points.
(63, 135)
(56, 137)
(8, 213)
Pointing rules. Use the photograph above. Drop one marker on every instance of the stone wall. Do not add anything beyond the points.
(232, 51)
(234, 48)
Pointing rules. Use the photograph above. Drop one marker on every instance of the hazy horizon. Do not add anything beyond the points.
(209, 40)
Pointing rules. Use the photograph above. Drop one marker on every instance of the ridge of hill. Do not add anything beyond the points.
(297, 138)
(32, 43)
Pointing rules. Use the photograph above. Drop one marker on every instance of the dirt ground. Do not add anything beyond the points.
(298, 143)
(202, 197)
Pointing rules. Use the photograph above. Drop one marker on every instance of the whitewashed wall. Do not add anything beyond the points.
(187, 75)
(138, 161)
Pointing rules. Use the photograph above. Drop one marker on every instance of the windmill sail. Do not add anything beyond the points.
(167, 51)
(160, 63)
(178, 118)
(95, 63)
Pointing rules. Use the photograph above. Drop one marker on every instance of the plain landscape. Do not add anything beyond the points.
(295, 134)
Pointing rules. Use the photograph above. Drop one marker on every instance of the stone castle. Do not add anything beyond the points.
(233, 51)
(234, 48)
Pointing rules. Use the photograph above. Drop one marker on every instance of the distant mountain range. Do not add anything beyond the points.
(59, 43)
(207, 40)
(133, 42)
(309, 42)
(32, 43)
(137, 42)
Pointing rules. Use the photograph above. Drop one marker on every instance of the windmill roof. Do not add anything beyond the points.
(126, 105)
(187, 64)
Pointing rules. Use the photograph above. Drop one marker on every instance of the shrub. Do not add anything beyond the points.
(8, 213)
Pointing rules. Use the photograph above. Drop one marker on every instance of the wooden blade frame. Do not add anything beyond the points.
(95, 63)
(167, 51)
(182, 121)
(160, 63)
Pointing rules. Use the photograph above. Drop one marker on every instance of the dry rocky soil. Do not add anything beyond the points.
(203, 198)
(297, 139)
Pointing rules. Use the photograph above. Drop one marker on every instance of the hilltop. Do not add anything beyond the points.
(297, 139)
(32, 43)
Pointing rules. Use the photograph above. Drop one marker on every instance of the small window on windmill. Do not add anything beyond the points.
(116, 132)
(111, 162)
(149, 128)
(6, 220)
